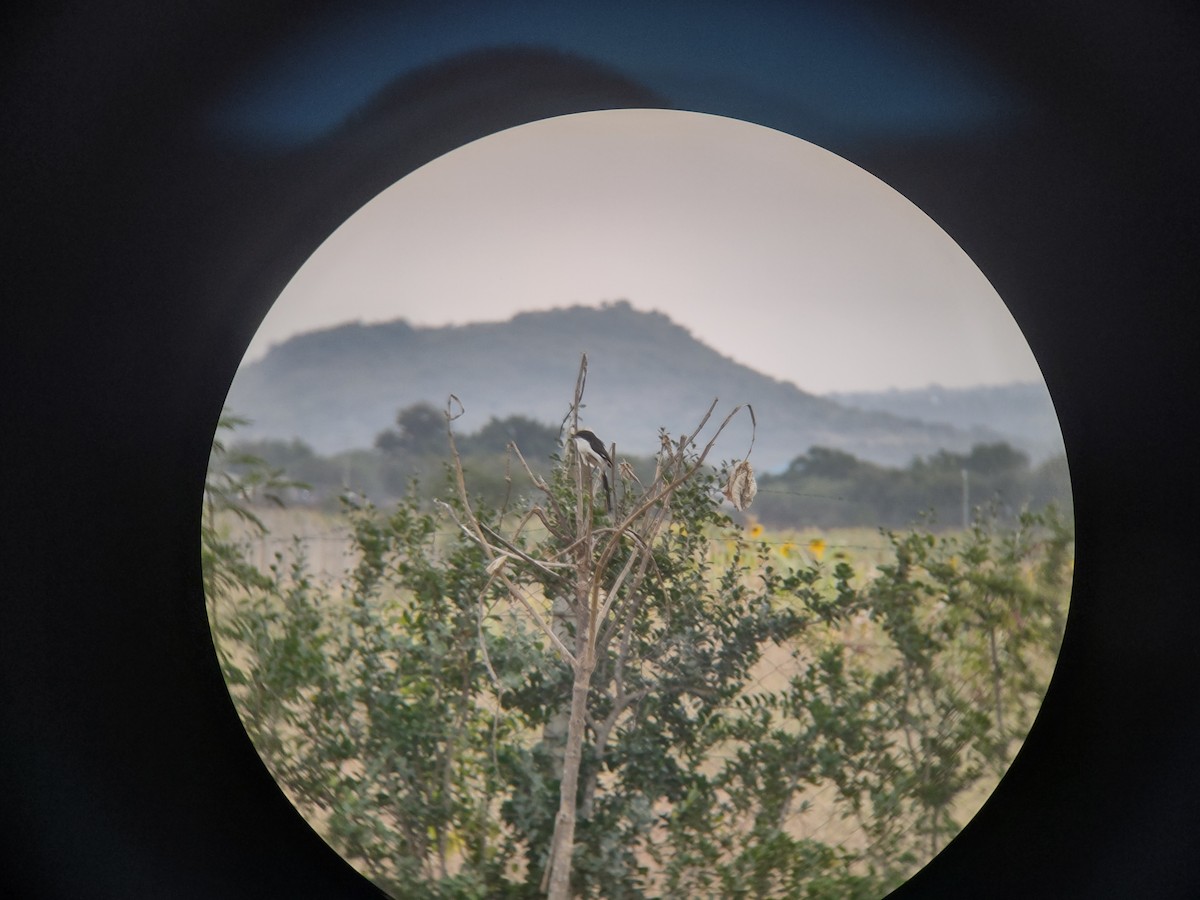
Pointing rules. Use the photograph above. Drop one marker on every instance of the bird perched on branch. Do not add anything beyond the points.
(591, 450)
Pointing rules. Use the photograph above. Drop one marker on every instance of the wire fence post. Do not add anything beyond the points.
(966, 500)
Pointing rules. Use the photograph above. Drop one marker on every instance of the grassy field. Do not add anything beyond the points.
(326, 539)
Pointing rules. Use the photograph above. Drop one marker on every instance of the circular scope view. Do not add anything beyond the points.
(638, 503)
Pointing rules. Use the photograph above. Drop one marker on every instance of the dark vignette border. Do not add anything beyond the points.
(140, 253)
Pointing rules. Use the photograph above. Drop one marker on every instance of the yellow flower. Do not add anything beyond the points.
(787, 548)
(817, 547)
(756, 531)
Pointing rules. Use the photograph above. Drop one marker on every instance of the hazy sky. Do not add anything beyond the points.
(771, 250)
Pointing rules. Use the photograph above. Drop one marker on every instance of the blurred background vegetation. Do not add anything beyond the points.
(821, 487)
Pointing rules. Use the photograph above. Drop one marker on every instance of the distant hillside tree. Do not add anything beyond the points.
(995, 459)
(829, 488)
(537, 441)
(824, 462)
(419, 431)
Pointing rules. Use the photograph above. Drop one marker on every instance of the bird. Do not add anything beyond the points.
(591, 449)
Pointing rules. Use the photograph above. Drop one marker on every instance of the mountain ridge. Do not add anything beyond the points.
(336, 388)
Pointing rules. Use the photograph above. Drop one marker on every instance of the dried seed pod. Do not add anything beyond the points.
(741, 487)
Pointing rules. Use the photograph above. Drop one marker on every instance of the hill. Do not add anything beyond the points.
(1022, 412)
(337, 388)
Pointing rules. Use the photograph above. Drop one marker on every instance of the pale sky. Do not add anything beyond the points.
(771, 250)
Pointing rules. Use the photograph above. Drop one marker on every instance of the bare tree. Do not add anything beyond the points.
(592, 569)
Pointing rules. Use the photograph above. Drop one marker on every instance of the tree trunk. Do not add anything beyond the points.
(563, 843)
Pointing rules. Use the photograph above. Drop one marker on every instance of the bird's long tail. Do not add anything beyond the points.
(607, 492)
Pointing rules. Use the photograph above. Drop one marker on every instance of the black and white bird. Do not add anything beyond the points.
(591, 450)
(591, 447)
